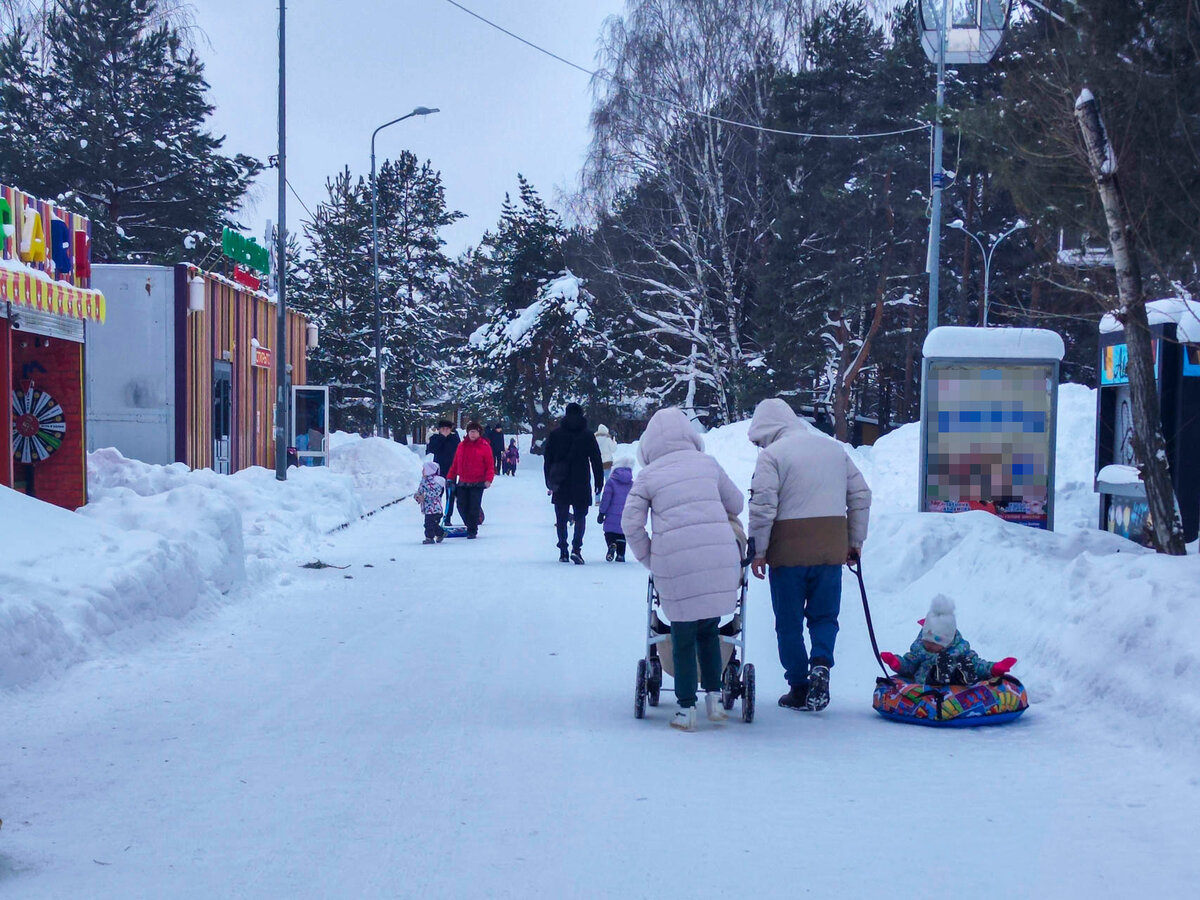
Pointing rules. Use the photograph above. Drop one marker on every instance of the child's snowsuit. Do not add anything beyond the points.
(956, 664)
(612, 505)
(429, 496)
(512, 456)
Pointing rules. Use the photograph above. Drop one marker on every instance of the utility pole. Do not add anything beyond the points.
(281, 398)
(1148, 442)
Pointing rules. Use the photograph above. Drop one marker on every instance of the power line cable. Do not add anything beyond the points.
(678, 107)
(301, 199)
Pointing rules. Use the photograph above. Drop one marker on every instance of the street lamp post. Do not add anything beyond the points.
(962, 32)
(987, 256)
(281, 397)
(419, 111)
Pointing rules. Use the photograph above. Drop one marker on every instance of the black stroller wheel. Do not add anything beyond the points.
(639, 693)
(730, 688)
(654, 682)
(748, 693)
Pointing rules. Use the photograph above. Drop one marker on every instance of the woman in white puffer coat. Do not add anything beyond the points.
(693, 553)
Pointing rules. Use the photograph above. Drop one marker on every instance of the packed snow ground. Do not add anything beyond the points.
(457, 720)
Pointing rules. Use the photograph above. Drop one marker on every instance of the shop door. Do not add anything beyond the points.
(310, 425)
(222, 417)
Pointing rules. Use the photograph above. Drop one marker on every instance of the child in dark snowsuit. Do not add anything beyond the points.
(512, 456)
(612, 505)
(940, 656)
(429, 497)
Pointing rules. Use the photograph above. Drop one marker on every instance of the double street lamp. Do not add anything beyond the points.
(987, 255)
(419, 111)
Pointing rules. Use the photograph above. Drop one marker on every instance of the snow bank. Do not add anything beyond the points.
(1098, 623)
(156, 544)
(69, 583)
(277, 518)
(382, 470)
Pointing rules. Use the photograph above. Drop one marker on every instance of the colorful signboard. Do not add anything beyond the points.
(1114, 363)
(989, 439)
(245, 251)
(261, 358)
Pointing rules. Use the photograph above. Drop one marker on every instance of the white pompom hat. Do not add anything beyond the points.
(940, 625)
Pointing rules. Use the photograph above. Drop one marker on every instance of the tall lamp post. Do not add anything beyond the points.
(987, 255)
(419, 111)
(281, 398)
(962, 32)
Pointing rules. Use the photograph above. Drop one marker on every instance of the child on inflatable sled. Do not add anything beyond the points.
(942, 681)
(940, 655)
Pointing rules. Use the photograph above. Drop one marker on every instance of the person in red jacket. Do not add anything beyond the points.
(472, 470)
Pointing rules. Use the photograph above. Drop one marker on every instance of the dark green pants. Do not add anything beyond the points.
(689, 640)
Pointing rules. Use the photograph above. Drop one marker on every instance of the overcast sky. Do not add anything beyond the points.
(355, 64)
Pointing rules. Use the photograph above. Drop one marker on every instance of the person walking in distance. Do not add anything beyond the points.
(571, 462)
(473, 471)
(608, 449)
(496, 439)
(612, 507)
(809, 507)
(442, 446)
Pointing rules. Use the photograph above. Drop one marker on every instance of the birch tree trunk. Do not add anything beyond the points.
(1148, 442)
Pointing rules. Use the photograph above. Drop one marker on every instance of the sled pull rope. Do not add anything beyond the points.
(856, 568)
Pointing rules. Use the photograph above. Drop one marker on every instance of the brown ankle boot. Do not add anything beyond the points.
(795, 698)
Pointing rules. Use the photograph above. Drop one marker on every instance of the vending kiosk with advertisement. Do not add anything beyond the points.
(1175, 332)
(47, 306)
(989, 404)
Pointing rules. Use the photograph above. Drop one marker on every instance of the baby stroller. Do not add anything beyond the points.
(737, 676)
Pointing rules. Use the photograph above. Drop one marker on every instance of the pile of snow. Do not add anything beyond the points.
(277, 518)
(70, 583)
(156, 544)
(381, 470)
(337, 438)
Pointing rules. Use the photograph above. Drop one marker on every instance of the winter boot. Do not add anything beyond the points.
(577, 557)
(818, 688)
(427, 541)
(612, 553)
(795, 698)
(440, 536)
(712, 705)
(563, 556)
(684, 719)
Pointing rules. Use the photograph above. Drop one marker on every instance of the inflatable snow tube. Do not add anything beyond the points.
(991, 702)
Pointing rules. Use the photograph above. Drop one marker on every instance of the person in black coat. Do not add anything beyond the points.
(495, 437)
(571, 454)
(443, 446)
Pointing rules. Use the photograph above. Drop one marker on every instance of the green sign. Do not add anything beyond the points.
(245, 251)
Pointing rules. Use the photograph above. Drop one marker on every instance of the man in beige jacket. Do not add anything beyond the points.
(808, 515)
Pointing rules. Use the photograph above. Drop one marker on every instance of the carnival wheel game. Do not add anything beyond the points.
(39, 425)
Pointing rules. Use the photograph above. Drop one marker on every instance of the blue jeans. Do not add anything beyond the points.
(805, 592)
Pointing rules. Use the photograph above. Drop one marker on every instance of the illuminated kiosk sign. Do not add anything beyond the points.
(989, 400)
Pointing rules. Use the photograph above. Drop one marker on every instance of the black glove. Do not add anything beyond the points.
(600, 519)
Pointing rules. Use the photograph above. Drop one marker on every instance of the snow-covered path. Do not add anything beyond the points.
(456, 721)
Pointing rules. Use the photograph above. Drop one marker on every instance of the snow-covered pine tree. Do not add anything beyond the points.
(109, 113)
(543, 350)
(333, 287)
(413, 267)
